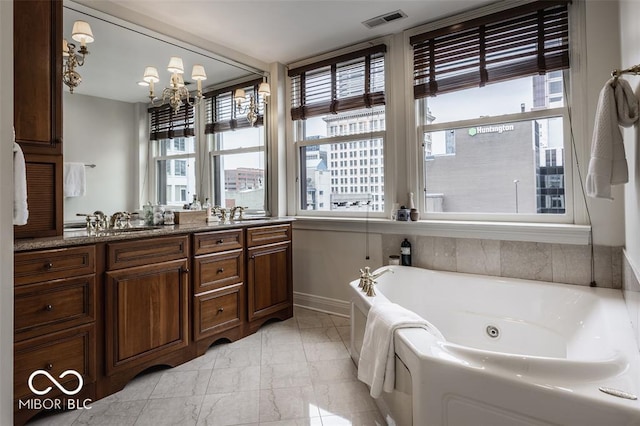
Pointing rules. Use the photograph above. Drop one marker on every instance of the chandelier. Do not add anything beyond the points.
(81, 33)
(251, 110)
(176, 94)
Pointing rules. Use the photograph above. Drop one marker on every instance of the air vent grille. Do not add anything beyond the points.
(384, 19)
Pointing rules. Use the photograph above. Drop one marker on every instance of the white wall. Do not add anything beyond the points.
(6, 213)
(602, 55)
(630, 49)
(105, 133)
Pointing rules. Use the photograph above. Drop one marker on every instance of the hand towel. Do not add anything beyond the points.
(75, 181)
(20, 208)
(608, 165)
(376, 366)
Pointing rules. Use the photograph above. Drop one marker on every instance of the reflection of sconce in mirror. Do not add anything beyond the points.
(252, 109)
(81, 33)
(176, 94)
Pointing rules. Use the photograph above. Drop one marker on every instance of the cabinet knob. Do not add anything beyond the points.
(48, 265)
(221, 270)
(185, 270)
(219, 241)
(48, 308)
(49, 367)
(220, 310)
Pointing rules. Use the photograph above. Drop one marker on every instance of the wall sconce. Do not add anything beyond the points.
(251, 110)
(81, 33)
(176, 94)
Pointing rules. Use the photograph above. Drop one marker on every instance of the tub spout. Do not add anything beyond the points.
(367, 280)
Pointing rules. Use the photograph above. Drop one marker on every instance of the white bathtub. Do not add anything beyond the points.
(556, 345)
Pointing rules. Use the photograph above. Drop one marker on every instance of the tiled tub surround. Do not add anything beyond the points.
(560, 263)
(295, 372)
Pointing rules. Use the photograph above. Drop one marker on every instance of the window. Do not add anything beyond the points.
(173, 145)
(238, 154)
(345, 93)
(493, 137)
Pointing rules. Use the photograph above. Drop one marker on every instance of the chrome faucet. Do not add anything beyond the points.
(120, 220)
(222, 212)
(236, 208)
(368, 280)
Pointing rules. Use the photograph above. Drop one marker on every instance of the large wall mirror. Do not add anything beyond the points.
(105, 118)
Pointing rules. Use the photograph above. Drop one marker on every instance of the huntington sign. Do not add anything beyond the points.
(500, 128)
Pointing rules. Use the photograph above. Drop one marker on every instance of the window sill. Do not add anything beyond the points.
(507, 231)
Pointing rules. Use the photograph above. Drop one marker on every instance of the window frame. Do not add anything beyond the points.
(298, 142)
(574, 212)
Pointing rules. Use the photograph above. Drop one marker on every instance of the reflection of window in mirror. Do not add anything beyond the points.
(238, 154)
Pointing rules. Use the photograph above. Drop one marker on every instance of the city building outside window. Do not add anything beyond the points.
(338, 109)
(491, 114)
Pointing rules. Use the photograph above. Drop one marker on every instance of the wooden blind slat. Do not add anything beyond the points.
(167, 124)
(528, 40)
(343, 83)
(220, 111)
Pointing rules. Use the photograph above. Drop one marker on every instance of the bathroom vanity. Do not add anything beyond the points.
(113, 305)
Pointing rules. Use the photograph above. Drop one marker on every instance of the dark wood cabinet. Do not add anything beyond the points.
(218, 287)
(147, 306)
(54, 321)
(269, 276)
(38, 111)
(112, 309)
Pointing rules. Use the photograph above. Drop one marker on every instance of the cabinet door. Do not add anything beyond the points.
(269, 280)
(37, 84)
(146, 313)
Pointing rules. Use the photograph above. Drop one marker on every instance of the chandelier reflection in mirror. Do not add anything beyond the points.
(251, 110)
(177, 93)
(81, 33)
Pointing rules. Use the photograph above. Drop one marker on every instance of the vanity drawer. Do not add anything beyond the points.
(215, 271)
(56, 353)
(215, 242)
(53, 305)
(147, 251)
(262, 235)
(217, 311)
(46, 265)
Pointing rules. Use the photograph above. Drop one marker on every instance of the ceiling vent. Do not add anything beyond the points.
(384, 19)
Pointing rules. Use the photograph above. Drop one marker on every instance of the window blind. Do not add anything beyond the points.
(167, 124)
(221, 113)
(526, 40)
(347, 82)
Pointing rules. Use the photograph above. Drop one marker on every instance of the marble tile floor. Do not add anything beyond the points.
(290, 373)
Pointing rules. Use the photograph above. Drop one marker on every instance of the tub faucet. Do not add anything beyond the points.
(368, 280)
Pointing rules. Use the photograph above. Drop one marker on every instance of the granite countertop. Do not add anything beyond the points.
(74, 237)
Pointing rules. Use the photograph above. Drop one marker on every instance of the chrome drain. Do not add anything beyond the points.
(493, 331)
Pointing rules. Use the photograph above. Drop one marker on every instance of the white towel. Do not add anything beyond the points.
(376, 366)
(20, 208)
(75, 181)
(608, 164)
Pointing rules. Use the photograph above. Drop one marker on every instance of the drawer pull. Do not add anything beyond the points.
(221, 270)
(220, 242)
(49, 367)
(48, 266)
(220, 310)
(48, 308)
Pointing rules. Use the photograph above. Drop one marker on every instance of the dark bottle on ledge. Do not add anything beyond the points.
(405, 253)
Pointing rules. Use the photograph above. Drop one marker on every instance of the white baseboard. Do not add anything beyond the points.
(322, 304)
